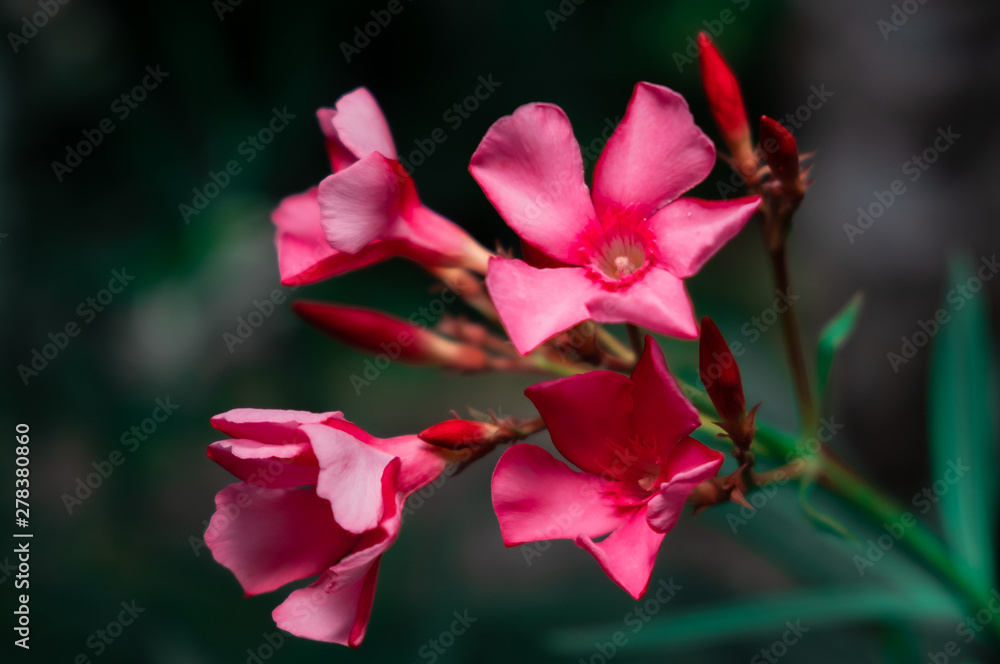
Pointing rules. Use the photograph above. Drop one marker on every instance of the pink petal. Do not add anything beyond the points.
(276, 427)
(350, 477)
(270, 537)
(656, 301)
(661, 412)
(690, 230)
(628, 554)
(535, 304)
(420, 463)
(267, 465)
(655, 155)
(537, 497)
(529, 166)
(360, 125)
(588, 417)
(429, 238)
(690, 464)
(358, 204)
(340, 156)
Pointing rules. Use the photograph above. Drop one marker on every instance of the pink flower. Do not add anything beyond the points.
(630, 437)
(368, 210)
(621, 253)
(319, 496)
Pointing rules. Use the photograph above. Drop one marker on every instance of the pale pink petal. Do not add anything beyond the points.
(429, 238)
(420, 463)
(529, 166)
(270, 537)
(340, 156)
(690, 231)
(267, 465)
(537, 497)
(276, 427)
(628, 554)
(589, 418)
(655, 155)
(657, 301)
(690, 464)
(661, 411)
(358, 204)
(536, 304)
(360, 125)
(350, 477)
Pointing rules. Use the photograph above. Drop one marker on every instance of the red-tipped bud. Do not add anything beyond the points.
(724, 99)
(391, 337)
(782, 154)
(720, 374)
(460, 434)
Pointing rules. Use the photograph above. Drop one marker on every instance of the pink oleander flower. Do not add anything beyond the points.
(319, 496)
(619, 254)
(368, 210)
(631, 438)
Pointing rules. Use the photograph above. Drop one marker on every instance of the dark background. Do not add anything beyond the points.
(163, 336)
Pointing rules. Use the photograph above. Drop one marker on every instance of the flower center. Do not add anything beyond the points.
(620, 251)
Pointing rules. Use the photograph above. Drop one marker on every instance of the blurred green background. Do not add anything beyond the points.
(228, 66)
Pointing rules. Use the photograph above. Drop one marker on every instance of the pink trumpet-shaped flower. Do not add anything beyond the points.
(630, 437)
(618, 254)
(368, 210)
(319, 496)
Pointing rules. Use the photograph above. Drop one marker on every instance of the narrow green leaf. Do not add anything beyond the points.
(963, 431)
(833, 336)
(818, 518)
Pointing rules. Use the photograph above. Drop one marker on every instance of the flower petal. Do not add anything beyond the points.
(588, 416)
(340, 156)
(537, 497)
(529, 166)
(691, 230)
(359, 124)
(661, 412)
(358, 204)
(420, 463)
(657, 301)
(655, 155)
(535, 304)
(628, 554)
(267, 465)
(270, 537)
(265, 425)
(350, 477)
(690, 464)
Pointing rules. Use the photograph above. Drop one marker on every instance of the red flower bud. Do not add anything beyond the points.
(720, 374)
(382, 334)
(459, 434)
(782, 153)
(724, 99)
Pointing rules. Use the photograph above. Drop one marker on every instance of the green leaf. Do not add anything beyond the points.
(962, 428)
(818, 518)
(828, 606)
(833, 336)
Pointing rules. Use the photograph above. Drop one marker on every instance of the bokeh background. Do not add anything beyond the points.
(229, 66)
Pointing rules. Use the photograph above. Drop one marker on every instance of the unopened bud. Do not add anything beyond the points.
(782, 154)
(460, 434)
(724, 100)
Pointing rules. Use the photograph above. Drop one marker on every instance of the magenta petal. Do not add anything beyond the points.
(270, 537)
(657, 302)
(268, 425)
(350, 477)
(420, 463)
(358, 204)
(691, 230)
(340, 156)
(267, 465)
(690, 464)
(359, 124)
(536, 497)
(588, 417)
(628, 554)
(655, 155)
(661, 411)
(535, 304)
(529, 166)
